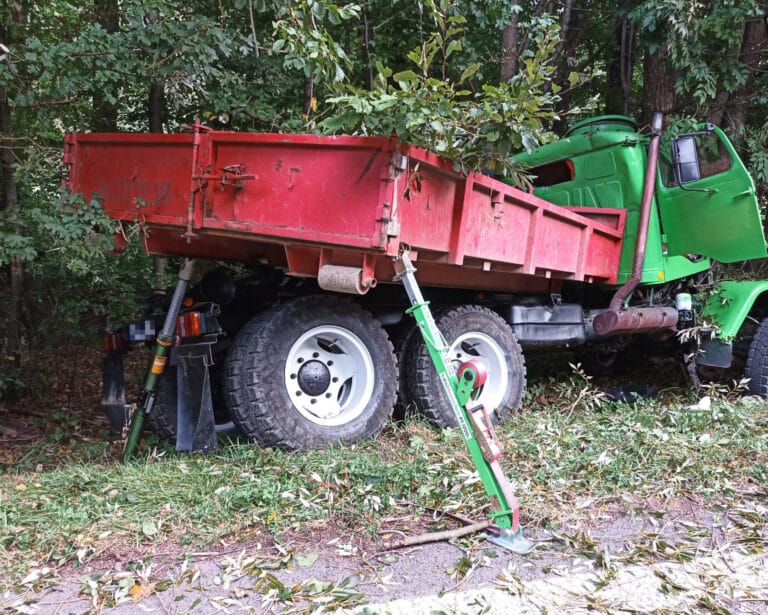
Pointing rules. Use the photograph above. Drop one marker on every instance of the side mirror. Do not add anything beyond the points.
(685, 159)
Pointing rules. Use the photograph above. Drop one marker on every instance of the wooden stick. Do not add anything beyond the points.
(436, 536)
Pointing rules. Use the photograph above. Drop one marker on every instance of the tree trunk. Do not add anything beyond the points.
(155, 110)
(658, 85)
(508, 64)
(752, 48)
(9, 198)
(570, 36)
(367, 37)
(105, 112)
(155, 113)
(621, 65)
(566, 23)
(10, 201)
(309, 96)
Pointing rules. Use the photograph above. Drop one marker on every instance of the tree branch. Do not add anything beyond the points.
(436, 536)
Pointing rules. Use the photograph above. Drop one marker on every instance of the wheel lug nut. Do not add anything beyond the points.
(330, 363)
(315, 355)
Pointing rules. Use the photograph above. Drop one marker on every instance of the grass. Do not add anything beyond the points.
(566, 452)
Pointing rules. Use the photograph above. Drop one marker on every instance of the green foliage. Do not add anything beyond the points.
(65, 243)
(425, 70)
(301, 35)
(63, 305)
(425, 106)
(702, 40)
(12, 385)
(703, 45)
(78, 231)
(757, 147)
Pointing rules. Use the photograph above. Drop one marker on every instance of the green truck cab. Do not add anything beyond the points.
(704, 209)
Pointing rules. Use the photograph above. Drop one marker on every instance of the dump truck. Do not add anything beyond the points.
(311, 342)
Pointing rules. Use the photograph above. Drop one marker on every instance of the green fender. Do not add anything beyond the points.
(729, 304)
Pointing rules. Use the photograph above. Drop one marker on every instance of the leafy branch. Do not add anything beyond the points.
(477, 129)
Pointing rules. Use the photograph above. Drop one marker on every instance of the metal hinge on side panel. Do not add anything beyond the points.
(393, 228)
(399, 162)
(392, 224)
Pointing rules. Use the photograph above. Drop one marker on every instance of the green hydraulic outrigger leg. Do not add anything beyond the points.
(474, 421)
(163, 344)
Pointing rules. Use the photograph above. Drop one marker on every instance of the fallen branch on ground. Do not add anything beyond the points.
(436, 536)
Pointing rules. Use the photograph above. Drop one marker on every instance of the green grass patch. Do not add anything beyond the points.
(574, 449)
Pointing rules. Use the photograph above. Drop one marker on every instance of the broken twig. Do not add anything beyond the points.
(436, 536)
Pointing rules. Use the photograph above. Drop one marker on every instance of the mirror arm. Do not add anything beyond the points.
(709, 127)
(682, 187)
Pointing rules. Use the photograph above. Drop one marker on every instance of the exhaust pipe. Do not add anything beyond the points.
(616, 320)
(613, 322)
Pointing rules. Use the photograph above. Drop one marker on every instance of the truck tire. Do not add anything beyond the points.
(311, 372)
(405, 335)
(757, 361)
(472, 332)
(162, 420)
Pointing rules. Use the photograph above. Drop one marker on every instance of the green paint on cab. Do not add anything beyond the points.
(729, 304)
(601, 162)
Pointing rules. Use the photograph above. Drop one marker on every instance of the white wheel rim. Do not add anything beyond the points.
(329, 375)
(488, 352)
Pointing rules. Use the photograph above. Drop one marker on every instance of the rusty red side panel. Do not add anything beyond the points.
(305, 200)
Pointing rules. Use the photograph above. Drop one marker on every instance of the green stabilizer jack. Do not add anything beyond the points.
(474, 422)
(163, 344)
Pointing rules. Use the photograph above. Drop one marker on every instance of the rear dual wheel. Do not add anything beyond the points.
(471, 332)
(319, 370)
(311, 372)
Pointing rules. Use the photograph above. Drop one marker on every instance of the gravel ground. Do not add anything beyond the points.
(688, 560)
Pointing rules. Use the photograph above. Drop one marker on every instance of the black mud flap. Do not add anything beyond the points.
(714, 353)
(196, 428)
(113, 392)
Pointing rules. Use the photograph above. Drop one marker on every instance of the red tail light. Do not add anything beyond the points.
(112, 341)
(189, 324)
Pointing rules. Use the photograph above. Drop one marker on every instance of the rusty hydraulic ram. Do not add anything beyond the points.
(616, 320)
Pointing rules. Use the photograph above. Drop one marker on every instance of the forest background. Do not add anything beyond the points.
(474, 80)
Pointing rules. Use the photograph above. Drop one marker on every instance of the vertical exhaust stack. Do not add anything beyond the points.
(616, 320)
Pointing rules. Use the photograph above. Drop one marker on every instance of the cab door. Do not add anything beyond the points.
(717, 215)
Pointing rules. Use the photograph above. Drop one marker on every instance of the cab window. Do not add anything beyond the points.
(552, 173)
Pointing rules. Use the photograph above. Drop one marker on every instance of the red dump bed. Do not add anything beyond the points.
(304, 201)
